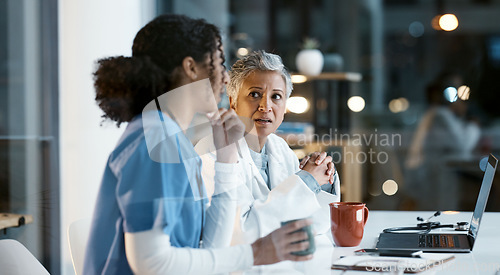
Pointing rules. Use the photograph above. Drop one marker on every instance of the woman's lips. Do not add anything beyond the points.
(262, 121)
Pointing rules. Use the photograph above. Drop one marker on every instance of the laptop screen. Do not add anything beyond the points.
(482, 199)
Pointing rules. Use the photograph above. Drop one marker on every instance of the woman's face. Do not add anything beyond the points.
(262, 98)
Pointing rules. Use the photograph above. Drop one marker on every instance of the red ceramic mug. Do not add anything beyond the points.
(348, 221)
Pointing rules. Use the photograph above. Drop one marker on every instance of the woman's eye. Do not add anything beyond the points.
(254, 94)
(277, 96)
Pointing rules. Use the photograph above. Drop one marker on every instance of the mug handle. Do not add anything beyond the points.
(365, 209)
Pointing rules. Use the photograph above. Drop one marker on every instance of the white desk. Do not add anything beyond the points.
(485, 258)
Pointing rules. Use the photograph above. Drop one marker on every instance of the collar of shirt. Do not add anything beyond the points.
(261, 161)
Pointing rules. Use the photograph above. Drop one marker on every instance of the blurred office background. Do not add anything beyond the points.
(407, 107)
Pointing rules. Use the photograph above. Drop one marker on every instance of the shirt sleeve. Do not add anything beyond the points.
(332, 188)
(309, 180)
(221, 214)
(150, 252)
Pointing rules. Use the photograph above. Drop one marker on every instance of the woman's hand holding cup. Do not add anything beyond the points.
(280, 244)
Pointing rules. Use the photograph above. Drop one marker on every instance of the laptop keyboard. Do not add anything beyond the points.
(438, 241)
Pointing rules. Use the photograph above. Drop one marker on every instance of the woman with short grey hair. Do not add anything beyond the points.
(257, 61)
(274, 187)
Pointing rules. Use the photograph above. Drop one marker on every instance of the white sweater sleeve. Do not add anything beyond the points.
(150, 252)
(221, 214)
(221, 181)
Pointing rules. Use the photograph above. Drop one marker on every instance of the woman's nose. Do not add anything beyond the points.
(264, 105)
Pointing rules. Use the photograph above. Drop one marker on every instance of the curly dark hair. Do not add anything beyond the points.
(125, 85)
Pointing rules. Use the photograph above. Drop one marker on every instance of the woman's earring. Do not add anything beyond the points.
(195, 76)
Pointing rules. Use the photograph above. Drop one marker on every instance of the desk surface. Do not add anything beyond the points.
(485, 258)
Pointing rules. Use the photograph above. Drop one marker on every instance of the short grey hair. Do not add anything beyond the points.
(256, 61)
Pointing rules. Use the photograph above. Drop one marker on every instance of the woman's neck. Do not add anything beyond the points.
(255, 142)
(177, 104)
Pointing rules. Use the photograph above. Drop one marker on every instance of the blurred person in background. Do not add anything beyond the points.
(444, 134)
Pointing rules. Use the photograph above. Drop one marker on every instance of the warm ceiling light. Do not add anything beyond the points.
(297, 104)
(390, 187)
(399, 105)
(298, 78)
(395, 106)
(463, 92)
(356, 103)
(405, 104)
(448, 22)
(435, 23)
(242, 51)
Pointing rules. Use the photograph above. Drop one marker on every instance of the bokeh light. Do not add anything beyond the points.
(297, 104)
(399, 105)
(390, 187)
(242, 52)
(298, 78)
(463, 92)
(416, 29)
(356, 104)
(451, 94)
(448, 22)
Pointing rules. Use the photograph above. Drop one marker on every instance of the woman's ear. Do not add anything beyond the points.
(189, 68)
(232, 103)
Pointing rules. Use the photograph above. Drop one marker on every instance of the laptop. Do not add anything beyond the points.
(445, 242)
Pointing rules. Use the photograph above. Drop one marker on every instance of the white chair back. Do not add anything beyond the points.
(16, 259)
(78, 234)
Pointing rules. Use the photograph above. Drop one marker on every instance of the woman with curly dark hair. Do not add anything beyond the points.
(152, 214)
